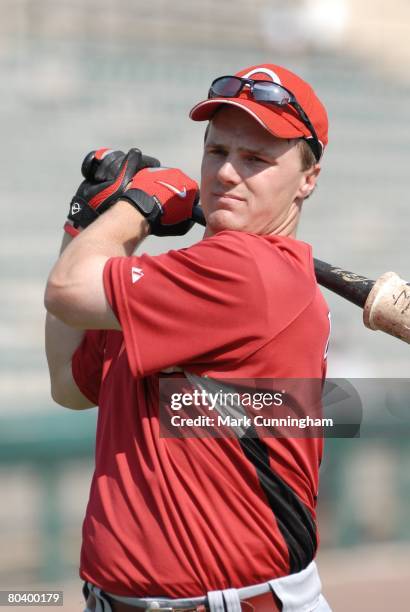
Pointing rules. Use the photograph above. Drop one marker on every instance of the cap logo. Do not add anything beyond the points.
(270, 73)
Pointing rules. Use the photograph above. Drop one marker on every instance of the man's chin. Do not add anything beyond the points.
(223, 220)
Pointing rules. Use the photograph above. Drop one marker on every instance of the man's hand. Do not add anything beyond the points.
(166, 197)
(107, 174)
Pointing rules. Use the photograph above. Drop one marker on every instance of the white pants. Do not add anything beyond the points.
(301, 592)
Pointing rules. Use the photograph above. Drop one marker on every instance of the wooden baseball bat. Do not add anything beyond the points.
(385, 301)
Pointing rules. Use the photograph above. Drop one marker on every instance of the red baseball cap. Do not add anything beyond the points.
(281, 121)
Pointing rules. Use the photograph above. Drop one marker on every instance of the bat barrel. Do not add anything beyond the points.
(388, 306)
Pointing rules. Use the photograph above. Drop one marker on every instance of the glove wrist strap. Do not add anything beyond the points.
(149, 206)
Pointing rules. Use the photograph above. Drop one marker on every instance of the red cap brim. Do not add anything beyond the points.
(279, 121)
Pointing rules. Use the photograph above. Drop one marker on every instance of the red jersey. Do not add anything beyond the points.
(180, 517)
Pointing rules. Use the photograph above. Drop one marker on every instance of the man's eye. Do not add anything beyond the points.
(255, 158)
(217, 152)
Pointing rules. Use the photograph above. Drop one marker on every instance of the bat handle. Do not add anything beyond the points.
(198, 215)
(348, 285)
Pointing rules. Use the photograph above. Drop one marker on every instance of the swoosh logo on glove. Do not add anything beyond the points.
(181, 193)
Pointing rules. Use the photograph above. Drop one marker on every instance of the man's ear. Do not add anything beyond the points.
(309, 181)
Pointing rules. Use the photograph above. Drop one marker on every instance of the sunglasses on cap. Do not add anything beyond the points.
(267, 92)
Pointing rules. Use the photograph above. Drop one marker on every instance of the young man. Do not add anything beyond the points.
(186, 523)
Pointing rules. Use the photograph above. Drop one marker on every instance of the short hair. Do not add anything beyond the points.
(307, 157)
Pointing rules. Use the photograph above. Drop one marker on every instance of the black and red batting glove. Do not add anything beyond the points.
(107, 174)
(166, 197)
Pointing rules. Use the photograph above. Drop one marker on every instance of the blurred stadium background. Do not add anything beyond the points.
(77, 74)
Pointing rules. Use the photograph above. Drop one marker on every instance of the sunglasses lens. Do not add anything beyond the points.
(269, 92)
(226, 87)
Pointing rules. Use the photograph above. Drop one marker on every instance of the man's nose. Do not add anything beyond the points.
(228, 172)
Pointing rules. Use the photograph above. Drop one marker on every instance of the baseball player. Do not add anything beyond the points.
(197, 523)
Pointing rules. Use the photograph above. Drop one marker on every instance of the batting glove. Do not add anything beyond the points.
(107, 174)
(166, 197)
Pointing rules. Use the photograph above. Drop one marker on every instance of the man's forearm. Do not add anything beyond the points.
(116, 233)
(61, 342)
(75, 292)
